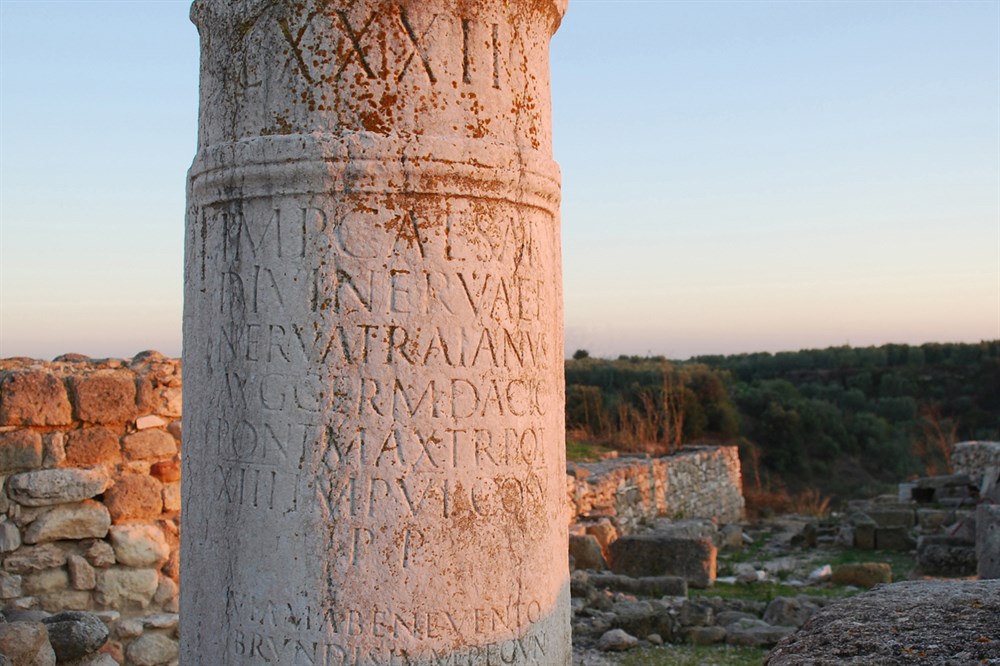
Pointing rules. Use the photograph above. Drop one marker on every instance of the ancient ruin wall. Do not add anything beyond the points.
(90, 506)
(697, 482)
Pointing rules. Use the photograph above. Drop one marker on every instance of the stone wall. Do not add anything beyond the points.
(975, 458)
(90, 493)
(697, 482)
(90, 500)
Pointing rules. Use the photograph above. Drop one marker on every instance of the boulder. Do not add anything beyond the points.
(75, 634)
(617, 640)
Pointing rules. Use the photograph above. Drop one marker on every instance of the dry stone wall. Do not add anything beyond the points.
(697, 482)
(90, 501)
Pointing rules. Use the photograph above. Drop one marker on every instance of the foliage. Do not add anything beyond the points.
(843, 421)
(578, 451)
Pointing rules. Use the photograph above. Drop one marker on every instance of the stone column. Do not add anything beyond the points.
(374, 453)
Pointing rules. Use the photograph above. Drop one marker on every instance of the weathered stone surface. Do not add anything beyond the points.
(53, 449)
(152, 445)
(755, 633)
(35, 558)
(893, 538)
(864, 536)
(138, 545)
(152, 649)
(653, 554)
(166, 471)
(93, 445)
(61, 600)
(104, 396)
(149, 421)
(988, 541)
(57, 486)
(171, 497)
(49, 580)
(74, 634)
(10, 536)
(26, 644)
(657, 586)
(405, 147)
(20, 450)
(790, 611)
(33, 397)
(865, 574)
(10, 585)
(134, 497)
(97, 659)
(81, 575)
(617, 640)
(941, 555)
(586, 552)
(706, 635)
(98, 553)
(125, 589)
(926, 622)
(70, 521)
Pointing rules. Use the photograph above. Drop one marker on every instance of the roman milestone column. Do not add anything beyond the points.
(373, 418)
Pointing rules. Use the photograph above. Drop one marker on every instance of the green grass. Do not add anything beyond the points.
(577, 451)
(692, 655)
(766, 591)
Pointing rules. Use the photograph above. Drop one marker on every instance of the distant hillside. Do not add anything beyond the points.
(848, 421)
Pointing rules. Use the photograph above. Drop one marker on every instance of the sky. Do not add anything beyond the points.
(737, 176)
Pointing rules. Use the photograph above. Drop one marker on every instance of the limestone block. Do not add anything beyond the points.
(890, 517)
(152, 649)
(10, 536)
(864, 536)
(654, 554)
(50, 580)
(81, 574)
(124, 589)
(26, 643)
(57, 486)
(74, 634)
(865, 574)
(53, 449)
(988, 540)
(98, 553)
(138, 545)
(151, 445)
(92, 445)
(129, 628)
(20, 450)
(35, 558)
(104, 396)
(10, 585)
(134, 497)
(162, 621)
(33, 397)
(81, 520)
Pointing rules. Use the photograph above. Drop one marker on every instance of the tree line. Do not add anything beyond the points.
(846, 421)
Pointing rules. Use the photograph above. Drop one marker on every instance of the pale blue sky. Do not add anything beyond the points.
(738, 176)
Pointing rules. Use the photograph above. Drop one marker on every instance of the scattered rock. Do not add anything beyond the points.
(75, 634)
(654, 554)
(617, 640)
(152, 649)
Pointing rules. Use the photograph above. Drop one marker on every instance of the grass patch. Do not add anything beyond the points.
(578, 451)
(766, 591)
(694, 655)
